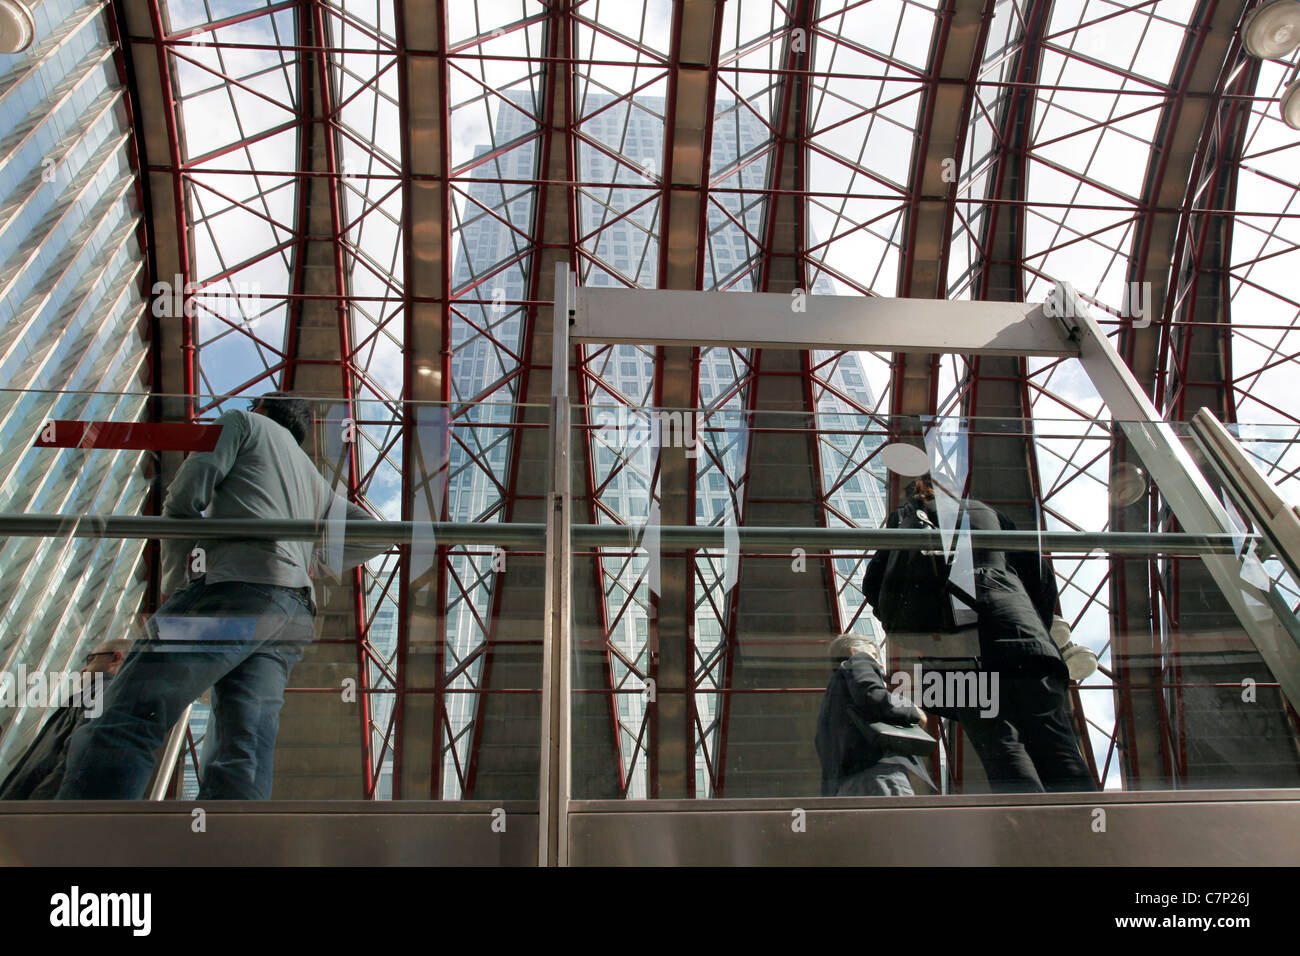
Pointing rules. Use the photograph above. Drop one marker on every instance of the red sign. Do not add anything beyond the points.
(136, 436)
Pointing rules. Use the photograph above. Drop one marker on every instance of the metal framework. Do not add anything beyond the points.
(402, 178)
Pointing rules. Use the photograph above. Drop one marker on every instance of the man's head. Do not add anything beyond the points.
(283, 409)
(107, 657)
(846, 645)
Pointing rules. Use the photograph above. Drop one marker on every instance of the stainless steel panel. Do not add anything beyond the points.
(274, 833)
(1249, 828)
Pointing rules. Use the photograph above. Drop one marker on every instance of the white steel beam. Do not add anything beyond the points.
(799, 321)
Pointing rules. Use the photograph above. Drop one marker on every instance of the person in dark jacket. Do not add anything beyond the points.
(39, 771)
(851, 764)
(1028, 745)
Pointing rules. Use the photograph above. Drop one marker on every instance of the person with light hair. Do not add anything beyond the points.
(854, 764)
(38, 773)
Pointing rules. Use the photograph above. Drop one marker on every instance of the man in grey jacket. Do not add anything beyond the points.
(237, 620)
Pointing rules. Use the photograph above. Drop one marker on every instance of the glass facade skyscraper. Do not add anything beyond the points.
(624, 251)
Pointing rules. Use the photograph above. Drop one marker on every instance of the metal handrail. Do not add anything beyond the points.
(162, 774)
(1251, 488)
(671, 537)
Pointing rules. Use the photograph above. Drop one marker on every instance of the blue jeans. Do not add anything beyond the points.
(239, 639)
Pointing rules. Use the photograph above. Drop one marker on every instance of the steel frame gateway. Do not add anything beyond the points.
(1063, 325)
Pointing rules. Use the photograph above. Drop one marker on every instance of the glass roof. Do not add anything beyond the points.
(1106, 71)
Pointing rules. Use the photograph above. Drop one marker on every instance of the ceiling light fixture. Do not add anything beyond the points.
(17, 28)
(1291, 105)
(1272, 31)
(1128, 484)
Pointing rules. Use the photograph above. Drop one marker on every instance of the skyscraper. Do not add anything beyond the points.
(618, 212)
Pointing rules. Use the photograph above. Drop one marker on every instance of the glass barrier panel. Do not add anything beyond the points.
(762, 599)
(1074, 604)
(299, 622)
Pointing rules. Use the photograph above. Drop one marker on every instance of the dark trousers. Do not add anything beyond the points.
(1029, 745)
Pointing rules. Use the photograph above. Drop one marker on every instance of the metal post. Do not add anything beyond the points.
(553, 804)
(1180, 482)
(162, 774)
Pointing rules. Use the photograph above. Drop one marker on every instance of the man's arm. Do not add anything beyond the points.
(190, 493)
(873, 698)
(338, 553)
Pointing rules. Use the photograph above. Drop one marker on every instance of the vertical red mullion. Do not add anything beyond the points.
(652, 628)
(733, 606)
(302, 192)
(602, 612)
(567, 22)
(397, 735)
(1120, 648)
(690, 558)
(125, 66)
(701, 246)
(442, 551)
(345, 347)
(819, 486)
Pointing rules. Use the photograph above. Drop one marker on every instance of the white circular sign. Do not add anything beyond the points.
(904, 459)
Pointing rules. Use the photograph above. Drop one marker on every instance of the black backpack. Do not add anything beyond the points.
(914, 593)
